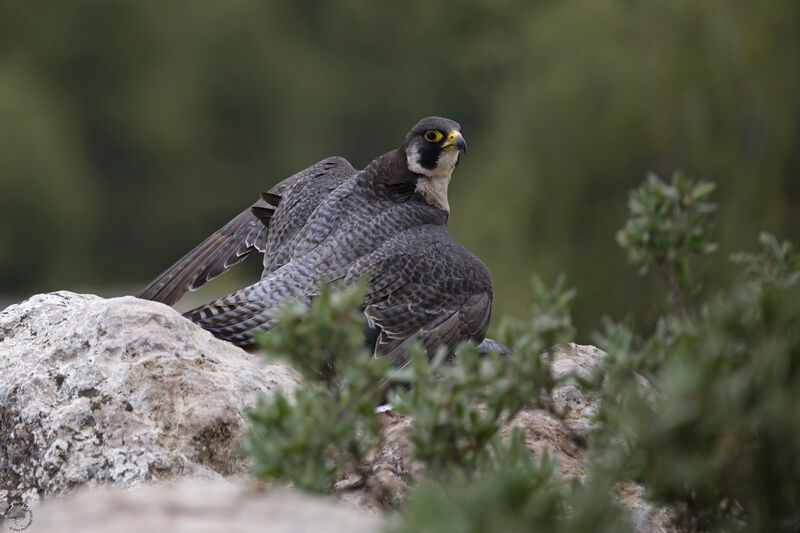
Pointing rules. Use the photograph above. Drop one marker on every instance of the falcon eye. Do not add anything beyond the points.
(433, 136)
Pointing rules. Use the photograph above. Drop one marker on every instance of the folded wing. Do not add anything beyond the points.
(436, 299)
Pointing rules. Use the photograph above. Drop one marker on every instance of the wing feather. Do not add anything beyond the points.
(438, 300)
(250, 230)
(223, 249)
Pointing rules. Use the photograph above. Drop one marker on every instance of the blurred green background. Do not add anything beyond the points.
(131, 130)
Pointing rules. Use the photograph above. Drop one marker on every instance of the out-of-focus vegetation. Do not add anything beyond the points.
(715, 437)
(327, 429)
(718, 437)
(458, 408)
(667, 230)
(131, 130)
(329, 426)
(702, 412)
(513, 493)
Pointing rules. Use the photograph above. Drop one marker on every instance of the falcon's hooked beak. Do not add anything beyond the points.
(455, 141)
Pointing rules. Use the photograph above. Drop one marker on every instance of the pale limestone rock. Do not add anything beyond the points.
(126, 391)
(198, 506)
(121, 390)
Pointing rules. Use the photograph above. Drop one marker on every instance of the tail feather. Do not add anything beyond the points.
(233, 318)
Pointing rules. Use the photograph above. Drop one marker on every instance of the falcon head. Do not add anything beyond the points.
(433, 146)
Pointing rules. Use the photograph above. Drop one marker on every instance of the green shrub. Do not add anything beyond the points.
(716, 433)
(459, 406)
(511, 493)
(329, 425)
(703, 412)
(777, 264)
(667, 229)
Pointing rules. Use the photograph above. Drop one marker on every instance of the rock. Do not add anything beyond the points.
(563, 438)
(393, 466)
(126, 391)
(644, 516)
(197, 506)
(122, 391)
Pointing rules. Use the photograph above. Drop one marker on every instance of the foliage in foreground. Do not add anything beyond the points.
(329, 426)
(513, 493)
(459, 406)
(702, 412)
(717, 436)
(668, 229)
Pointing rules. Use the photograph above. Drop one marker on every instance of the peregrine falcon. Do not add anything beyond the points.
(331, 223)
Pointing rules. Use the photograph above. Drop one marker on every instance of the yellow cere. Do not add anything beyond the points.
(451, 137)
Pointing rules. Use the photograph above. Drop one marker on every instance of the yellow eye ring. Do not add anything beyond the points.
(433, 136)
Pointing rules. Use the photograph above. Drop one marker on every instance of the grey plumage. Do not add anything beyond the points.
(251, 230)
(331, 223)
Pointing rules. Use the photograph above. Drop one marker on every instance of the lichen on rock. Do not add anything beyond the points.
(121, 390)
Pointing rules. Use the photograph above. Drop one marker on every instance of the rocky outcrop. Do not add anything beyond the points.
(122, 391)
(198, 505)
(561, 437)
(126, 391)
(560, 430)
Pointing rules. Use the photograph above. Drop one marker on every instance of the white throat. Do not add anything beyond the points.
(434, 191)
(433, 185)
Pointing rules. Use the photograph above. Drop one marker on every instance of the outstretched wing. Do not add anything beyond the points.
(437, 299)
(250, 230)
(228, 246)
